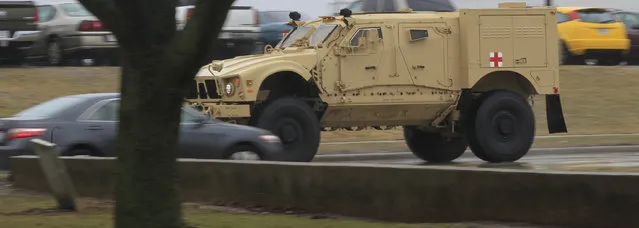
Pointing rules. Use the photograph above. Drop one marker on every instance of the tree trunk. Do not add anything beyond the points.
(157, 65)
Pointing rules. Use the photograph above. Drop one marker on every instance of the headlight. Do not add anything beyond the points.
(229, 89)
(270, 138)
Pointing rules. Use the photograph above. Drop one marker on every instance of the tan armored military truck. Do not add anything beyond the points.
(451, 79)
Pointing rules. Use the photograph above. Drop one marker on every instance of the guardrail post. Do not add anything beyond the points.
(56, 173)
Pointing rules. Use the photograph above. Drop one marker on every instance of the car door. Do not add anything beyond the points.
(422, 47)
(361, 58)
(98, 126)
(196, 140)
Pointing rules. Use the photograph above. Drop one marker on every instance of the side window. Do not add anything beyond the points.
(630, 20)
(46, 13)
(418, 34)
(108, 112)
(562, 17)
(362, 34)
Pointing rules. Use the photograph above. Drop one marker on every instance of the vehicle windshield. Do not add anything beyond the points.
(318, 36)
(50, 108)
(75, 10)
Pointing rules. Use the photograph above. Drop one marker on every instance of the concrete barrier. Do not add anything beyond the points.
(385, 192)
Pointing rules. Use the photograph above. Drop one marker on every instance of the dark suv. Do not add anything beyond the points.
(631, 20)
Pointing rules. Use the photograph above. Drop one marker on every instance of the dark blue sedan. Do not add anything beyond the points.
(86, 124)
(274, 26)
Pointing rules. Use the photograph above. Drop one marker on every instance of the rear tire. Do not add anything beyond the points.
(609, 60)
(433, 147)
(54, 54)
(502, 128)
(297, 126)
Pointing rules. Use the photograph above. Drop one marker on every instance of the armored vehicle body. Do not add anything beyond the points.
(451, 79)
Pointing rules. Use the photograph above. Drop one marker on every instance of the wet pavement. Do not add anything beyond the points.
(592, 161)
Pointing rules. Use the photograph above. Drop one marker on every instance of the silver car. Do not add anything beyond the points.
(69, 33)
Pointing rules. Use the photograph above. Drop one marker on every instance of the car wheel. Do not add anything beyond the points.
(297, 126)
(77, 152)
(433, 147)
(244, 152)
(54, 54)
(609, 60)
(502, 128)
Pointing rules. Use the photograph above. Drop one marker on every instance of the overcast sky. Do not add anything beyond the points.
(322, 7)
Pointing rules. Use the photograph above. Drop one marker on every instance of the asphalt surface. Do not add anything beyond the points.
(579, 158)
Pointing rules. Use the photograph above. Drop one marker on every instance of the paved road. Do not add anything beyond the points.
(582, 159)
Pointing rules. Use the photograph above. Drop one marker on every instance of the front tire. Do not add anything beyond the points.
(297, 126)
(433, 147)
(502, 128)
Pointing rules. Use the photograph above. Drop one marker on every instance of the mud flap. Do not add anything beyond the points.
(555, 114)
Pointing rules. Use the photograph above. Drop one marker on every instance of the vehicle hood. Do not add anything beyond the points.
(305, 58)
(276, 27)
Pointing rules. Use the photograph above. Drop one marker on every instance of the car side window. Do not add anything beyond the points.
(46, 13)
(630, 20)
(108, 112)
(361, 35)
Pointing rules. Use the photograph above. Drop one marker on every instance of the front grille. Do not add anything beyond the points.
(211, 87)
(198, 90)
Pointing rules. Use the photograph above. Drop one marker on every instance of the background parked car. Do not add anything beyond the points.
(591, 33)
(274, 26)
(70, 33)
(631, 20)
(86, 124)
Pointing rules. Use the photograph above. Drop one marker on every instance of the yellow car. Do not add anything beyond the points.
(591, 33)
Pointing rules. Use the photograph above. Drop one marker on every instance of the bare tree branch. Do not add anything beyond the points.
(194, 43)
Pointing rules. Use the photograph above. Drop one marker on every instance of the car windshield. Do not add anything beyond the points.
(75, 10)
(318, 36)
(50, 108)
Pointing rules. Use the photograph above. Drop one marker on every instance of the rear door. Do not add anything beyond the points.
(17, 16)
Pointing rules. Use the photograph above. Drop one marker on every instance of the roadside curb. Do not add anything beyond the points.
(409, 155)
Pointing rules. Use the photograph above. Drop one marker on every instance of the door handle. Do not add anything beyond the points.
(370, 68)
(418, 67)
(94, 128)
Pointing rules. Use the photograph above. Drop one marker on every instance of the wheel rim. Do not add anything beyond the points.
(54, 53)
(505, 127)
(289, 131)
(245, 155)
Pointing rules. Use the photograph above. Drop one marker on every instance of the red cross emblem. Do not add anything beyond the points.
(496, 59)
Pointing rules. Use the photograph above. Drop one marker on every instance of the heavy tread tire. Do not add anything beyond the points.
(432, 147)
(299, 117)
(482, 133)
